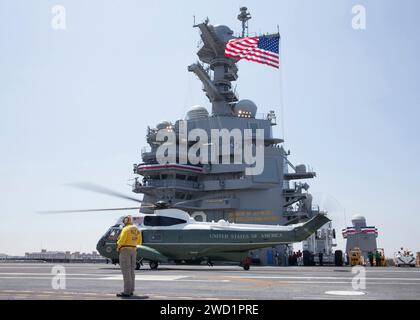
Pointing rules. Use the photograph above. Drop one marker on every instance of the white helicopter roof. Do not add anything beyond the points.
(173, 213)
(192, 224)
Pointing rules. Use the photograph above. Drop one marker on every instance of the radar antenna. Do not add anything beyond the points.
(244, 16)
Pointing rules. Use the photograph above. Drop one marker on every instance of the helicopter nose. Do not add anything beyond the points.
(100, 246)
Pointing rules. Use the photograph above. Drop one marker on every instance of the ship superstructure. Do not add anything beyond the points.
(361, 236)
(216, 191)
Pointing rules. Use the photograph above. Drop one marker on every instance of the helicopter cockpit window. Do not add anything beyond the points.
(113, 234)
(154, 221)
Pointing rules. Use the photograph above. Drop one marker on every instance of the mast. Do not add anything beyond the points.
(217, 83)
(244, 16)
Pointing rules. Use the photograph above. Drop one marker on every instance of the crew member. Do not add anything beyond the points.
(320, 256)
(378, 258)
(128, 240)
(370, 256)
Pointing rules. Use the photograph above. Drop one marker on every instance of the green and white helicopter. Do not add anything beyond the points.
(171, 234)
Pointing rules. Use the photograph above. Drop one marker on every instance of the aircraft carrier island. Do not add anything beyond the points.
(224, 191)
(213, 208)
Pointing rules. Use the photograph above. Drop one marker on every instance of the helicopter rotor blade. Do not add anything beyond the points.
(90, 210)
(102, 190)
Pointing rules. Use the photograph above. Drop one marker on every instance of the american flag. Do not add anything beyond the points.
(258, 49)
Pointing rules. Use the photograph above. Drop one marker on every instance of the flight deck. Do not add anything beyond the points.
(103, 281)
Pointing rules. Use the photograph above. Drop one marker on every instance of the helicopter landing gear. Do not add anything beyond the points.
(139, 264)
(153, 265)
(246, 263)
(246, 266)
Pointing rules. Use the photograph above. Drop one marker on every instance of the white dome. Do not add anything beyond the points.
(358, 217)
(245, 108)
(197, 112)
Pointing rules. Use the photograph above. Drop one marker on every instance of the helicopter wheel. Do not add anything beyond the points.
(246, 267)
(139, 264)
(153, 265)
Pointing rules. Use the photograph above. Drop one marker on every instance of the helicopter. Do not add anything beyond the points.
(172, 235)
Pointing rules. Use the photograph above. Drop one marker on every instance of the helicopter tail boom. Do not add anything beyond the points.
(303, 231)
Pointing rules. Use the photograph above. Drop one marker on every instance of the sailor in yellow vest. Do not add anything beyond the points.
(128, 240)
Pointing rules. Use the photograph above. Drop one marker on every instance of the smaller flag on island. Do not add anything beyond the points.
(264, 49)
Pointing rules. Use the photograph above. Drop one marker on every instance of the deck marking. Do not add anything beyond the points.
(147, 277)
(345, 293)
(322, 278)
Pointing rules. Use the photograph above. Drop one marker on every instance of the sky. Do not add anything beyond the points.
(75, 105)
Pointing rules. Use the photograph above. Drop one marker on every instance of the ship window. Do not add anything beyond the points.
(181, 176)
(154, 221)
(192, 178)
(113, 234)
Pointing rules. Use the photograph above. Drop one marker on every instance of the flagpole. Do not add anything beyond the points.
(281, 89)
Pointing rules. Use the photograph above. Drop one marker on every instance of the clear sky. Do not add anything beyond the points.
(75, 105)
